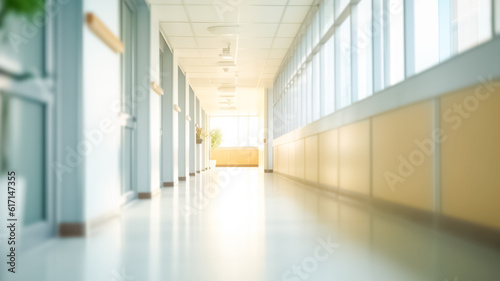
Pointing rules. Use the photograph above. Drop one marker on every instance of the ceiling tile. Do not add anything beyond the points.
(210, 53)
(217, 42)
(192, 53)
(255, 43)
(170, 13)
(282, 43)
(277, 53)
(295, 14)
(270, 69)
(268, 2)
(274, 62)
(258, 30)
(300, 2)
(182, 42)
(288, 30)
(253, 53)
(212, 13)
(176, 29)
(262, 14)
(259, 47)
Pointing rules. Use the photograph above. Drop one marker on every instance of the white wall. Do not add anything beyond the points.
(155, 102)
(101, 94)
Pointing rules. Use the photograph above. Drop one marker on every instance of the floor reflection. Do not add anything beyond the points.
(241, 224)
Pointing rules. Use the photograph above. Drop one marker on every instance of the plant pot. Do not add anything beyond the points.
(213, 164)
(199, 140)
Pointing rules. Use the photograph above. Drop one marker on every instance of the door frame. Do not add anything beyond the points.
(129, 120)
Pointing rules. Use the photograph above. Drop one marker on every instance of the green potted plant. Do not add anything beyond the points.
(15, 8)
(215, 142)
(21, 8)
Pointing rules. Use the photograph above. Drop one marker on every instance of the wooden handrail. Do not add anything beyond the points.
(104, 33)
(157, 88)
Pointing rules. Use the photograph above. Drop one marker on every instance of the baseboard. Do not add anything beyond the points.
(437, 221)
(149, 195)
(182, 178)
(168, 184)
(268, 171)
(72, 229)
(192, 174)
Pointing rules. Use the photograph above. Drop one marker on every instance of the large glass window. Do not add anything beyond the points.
(316, 87)
(327, 16)
(309, 89)
(426, 34)
(327, 77)
(375, 44)
(238, 131)
(470, 23)
(363, 49)
(315, 30)
(394, 46)
(340, 5)
(343, 50)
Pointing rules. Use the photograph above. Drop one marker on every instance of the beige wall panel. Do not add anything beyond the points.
(239, 157)
(354, 147)
(403, 156)
(222, 156)
(300, 160)
(291, 159)
(470, 156)
(329, 158)
(312, 159)
(284, 158)
(276, 159)
(254, 157)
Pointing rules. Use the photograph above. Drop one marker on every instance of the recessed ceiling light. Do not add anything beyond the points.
(227, 108)
(225, 30)
(227, 96)
(226, 90)
(226, 63)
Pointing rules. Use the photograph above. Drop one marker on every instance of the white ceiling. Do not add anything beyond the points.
(266, 31)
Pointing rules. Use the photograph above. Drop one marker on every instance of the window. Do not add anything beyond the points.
(326, 16)
(363, 49)
(373, 46)
(340, 6)
(308, 92)
(238, 131)
(343, 50)
(327, 78)
(316, 87)
(303, 104)
(394, 50)
(309, 39)
(315, 30)
(426, 34)
(470, 23)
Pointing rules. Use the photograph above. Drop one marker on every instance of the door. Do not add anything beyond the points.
(162, 179)
(128, 109)
(27, 131)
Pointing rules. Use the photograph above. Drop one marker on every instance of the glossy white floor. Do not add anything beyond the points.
(255, 227)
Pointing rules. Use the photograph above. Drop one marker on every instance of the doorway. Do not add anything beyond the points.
(128, 108)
